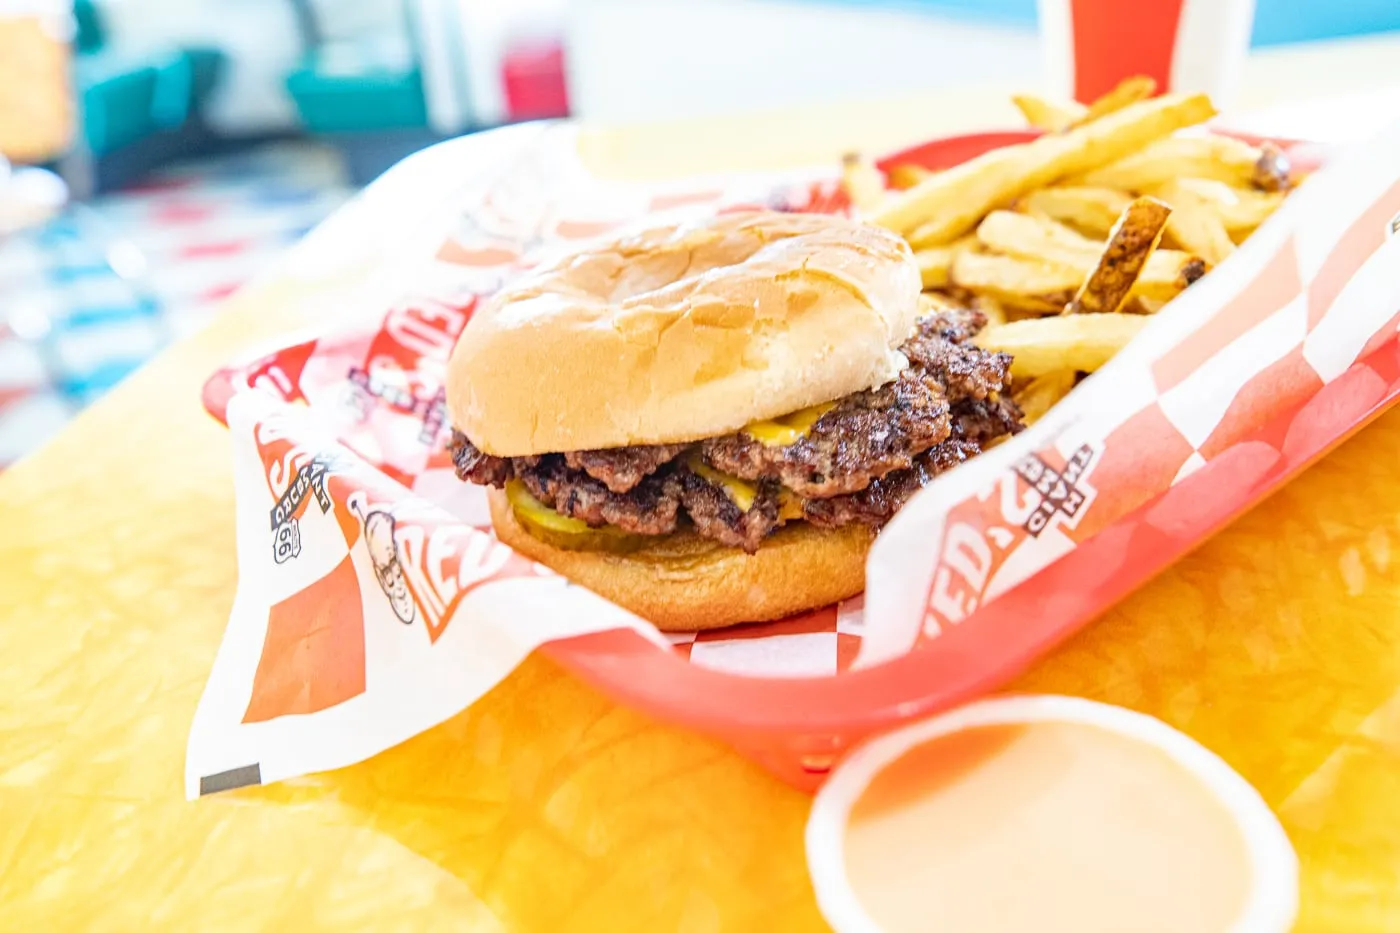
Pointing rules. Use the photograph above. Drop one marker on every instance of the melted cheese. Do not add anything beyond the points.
(789, 506)
(789, 428)
(740, 492)
(743, 493)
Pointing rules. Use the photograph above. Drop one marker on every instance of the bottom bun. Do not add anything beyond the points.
(686, 583)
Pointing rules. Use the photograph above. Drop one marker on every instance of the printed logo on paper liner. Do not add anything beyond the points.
(388, 568)
(427, 564)
(1041, 492)
(310, 481)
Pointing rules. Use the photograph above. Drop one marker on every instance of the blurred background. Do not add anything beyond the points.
(156, 154)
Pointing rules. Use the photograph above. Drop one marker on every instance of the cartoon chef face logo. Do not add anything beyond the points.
(384, 554)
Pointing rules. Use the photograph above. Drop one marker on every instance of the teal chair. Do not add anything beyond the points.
(364, 97)
(367, 98)
(135, 108)
(367, 85)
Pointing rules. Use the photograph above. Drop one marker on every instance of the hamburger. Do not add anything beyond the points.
(708, 423)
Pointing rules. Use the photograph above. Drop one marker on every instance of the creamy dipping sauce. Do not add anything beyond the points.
(1046, 827)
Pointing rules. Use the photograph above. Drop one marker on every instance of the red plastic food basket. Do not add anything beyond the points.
(798, 727)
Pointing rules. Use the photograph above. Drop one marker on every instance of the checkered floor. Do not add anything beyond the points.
(89, 297)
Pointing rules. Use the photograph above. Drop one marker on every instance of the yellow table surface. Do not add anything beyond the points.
(547, 806)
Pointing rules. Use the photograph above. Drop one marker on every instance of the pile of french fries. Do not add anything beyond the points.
(1069, 241)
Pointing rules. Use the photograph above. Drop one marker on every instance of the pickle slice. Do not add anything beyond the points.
(564, 532)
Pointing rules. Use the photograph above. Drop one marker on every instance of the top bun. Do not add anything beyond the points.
(684, 332)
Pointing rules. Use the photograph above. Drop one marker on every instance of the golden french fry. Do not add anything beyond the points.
(1251, 210)
(1195, 224)
(935, 266)
(1129, 91)
(946, 205)
(1045, 114)
(1215, 157)
(936, 262)
(1074, 342)
(1046, 243)
(1042, 392)
(1014, 313)
(1240, 209)
(1038, 287)
(1147, 305)
(864, 183)
(994, 311)
(1133, 239)
(1090, 211)
(968, 190)
(1035, 238)
(906, 175)
(1167, 274)
(934, 301)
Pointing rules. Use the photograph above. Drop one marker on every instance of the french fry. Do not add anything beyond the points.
(1014, 313)
(934, 301)
(1167, 273)
(1076, 342)
(1129, 91)
(935, 266)
(906, 175)
(1195, 224)
(946, 205)
(864, 183)
(1215, 157)
(1037, 287)
(968, 191)
(1044, 242)
(936, 262)
(994, 311)
(1133, 239)
(1057, 241)
(1195, 227)
(1041, 393)
(1240, 209)
(1090, 211)
(1035, 238)
(1146, 305)
(1045, 114)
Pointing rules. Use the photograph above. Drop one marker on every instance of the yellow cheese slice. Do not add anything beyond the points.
(789, 428)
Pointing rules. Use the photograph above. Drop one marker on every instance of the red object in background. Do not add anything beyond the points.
(533, 75)
(1115, 39)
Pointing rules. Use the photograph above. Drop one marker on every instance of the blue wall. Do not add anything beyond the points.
(1276, 22)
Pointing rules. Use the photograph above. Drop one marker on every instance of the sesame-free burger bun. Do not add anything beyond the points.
(682, 582)
(684, 332)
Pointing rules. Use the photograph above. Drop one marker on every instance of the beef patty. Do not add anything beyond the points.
(859, 462)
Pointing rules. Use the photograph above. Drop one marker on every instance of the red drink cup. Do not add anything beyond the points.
(1186, 45)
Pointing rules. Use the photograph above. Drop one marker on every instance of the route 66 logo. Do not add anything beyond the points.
(286, 542)
(286, 527)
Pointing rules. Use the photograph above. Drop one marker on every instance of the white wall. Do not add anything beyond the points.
(657, 59)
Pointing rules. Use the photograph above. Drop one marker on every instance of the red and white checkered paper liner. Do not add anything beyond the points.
(373, 601)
